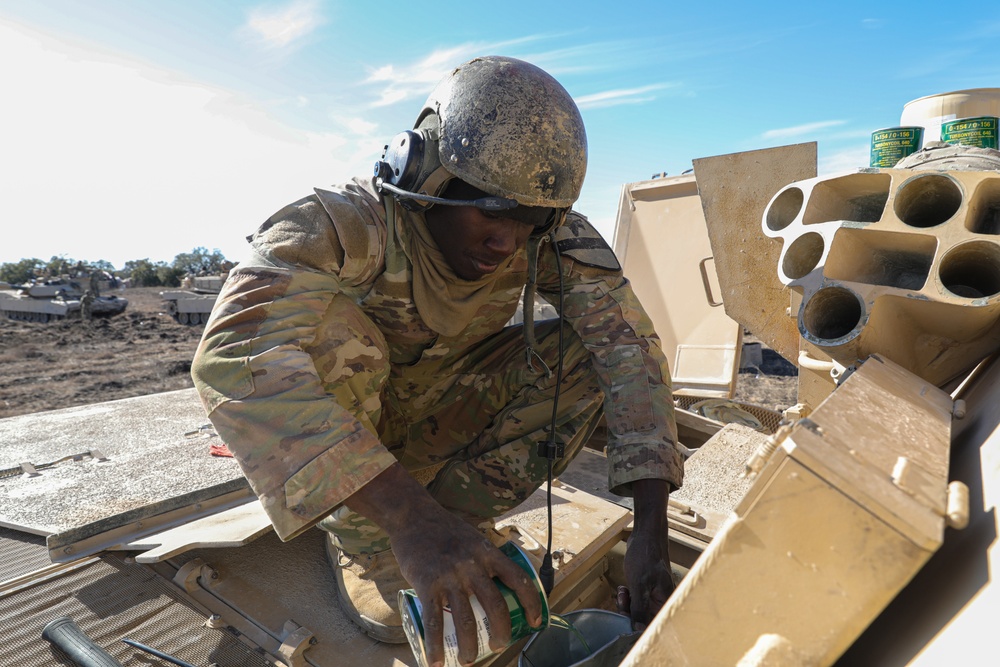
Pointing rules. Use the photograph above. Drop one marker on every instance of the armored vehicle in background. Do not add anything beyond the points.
(193, 303)
(57, 299)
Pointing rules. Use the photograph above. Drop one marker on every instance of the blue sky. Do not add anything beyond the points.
(134, 129)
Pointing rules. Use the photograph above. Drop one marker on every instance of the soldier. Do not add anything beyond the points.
(86, 304)
(359, 367)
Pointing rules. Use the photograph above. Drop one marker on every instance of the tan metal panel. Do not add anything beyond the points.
(130, 433)
(735, 189)
(661, 240)
(845, 511)
(946, 614)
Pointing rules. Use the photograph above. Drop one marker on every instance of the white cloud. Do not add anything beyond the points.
(278, 28)
(395, 94)
(401, 82)
(359, 126)
(850, 134)
(851, 158)
(418, 79)
(610, 98)
(799, 130)
(107, 158)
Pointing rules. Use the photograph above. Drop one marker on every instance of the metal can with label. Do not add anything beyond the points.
(412, 612)
(980, 131)
(892, 144)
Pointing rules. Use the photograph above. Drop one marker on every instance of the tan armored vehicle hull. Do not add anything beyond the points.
(861, 530)
(194, 302)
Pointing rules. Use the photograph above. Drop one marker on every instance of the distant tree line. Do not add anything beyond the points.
(139, 272)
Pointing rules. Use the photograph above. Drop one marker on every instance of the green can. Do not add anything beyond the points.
(980, 131)
(412, 612)
(892, 144)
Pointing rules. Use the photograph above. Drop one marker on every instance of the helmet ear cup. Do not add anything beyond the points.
(402, 160)
(410, 164)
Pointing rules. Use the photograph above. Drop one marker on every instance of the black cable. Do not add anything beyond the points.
(547, 573)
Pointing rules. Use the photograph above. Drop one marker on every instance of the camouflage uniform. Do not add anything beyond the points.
(318, 371)
(86, 305)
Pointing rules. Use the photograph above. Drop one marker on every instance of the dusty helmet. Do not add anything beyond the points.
(503, 126)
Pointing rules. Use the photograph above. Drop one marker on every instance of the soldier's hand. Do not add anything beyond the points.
(448, 562)
(647, 558)
(647, 569)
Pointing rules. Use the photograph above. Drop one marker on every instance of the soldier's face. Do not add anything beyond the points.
(475, 243)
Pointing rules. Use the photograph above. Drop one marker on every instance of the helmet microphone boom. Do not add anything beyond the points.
(483, 203)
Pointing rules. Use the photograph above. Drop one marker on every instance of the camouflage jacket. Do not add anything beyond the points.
(302, 452)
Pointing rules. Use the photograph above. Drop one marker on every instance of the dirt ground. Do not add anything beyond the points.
(46, 366)
(772, 384)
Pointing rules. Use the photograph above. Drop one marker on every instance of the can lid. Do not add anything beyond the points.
(968, 119)
(918, 128)
(410, 611)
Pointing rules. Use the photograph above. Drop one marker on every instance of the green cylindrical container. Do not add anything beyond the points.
(413, 625)
(980, 131)
(892, 144)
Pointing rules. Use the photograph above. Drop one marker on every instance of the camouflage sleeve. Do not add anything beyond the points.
(302, 452)
(632, 370)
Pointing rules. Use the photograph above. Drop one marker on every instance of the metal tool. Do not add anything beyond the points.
(31, 469)
(158, 654)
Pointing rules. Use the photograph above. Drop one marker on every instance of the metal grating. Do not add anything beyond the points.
(110, 599)
(769, 419)
(20, 554)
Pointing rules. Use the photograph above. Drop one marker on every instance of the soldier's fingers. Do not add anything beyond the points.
(433, 621)
(640, 610)
(623, 601)
(663, 589)
(466, 628)
(492, 603)
(524, 588)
